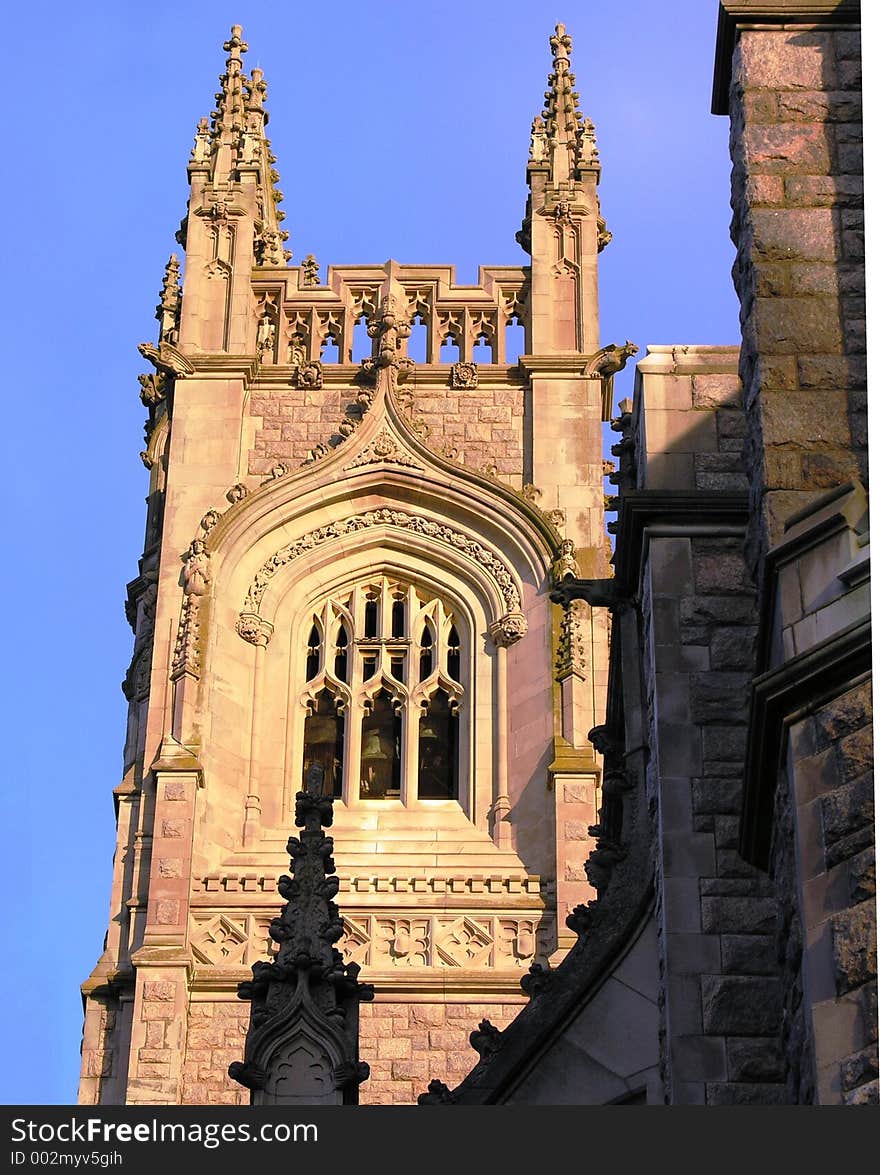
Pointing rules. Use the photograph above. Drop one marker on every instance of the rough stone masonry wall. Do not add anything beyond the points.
(405, 1045)
(483, 425)
(797, 199)
(720, 991)
(825, 800)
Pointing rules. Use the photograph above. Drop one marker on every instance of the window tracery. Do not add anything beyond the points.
(384, 673)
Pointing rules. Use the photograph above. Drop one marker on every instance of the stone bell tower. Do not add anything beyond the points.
(350, 565)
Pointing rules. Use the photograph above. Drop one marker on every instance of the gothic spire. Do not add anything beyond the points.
(233, 142)
(302, 1042)
(561, 136)
(229, 114)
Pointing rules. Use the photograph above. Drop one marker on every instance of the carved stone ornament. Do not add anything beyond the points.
(236, 493)
(571, 656)
(309, 272)
(153, 389)
(302, 1042)
(538, 980)
(254, 629)
(509, 629)
(383, 448)
(186, 657)
(513, 621)
(438, 1094)
(278, 470)
(538, 143)
(309, 375)
(166, 359)
(486, 1039)
(209, 521)
(464, 375)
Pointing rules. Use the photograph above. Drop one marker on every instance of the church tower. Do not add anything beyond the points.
(350, 564)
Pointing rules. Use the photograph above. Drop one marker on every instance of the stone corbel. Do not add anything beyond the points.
(254, 629)
(507, 630)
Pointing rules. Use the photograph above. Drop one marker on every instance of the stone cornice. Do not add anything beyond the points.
(220, 365)
(572, 366)
(810, 679)
(643, 508)
(733, 14)
(393, 986)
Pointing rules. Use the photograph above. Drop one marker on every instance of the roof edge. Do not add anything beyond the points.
(732, 14)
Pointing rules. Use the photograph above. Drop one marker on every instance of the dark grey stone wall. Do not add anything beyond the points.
(797, 199)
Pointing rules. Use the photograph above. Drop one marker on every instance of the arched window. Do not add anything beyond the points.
(384, 684)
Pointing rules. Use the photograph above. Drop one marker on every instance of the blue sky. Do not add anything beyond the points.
(401, 130)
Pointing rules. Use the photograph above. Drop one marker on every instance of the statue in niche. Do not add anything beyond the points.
(265, 338)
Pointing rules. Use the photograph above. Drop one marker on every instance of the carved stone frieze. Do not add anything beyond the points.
(398, 941)
(513, 621)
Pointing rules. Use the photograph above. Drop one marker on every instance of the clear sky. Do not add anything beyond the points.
(401, 130)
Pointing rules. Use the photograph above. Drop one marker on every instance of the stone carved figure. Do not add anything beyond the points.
(566, 565)
(309, 375)
(196, 576)
(266, 338)
(538, 143)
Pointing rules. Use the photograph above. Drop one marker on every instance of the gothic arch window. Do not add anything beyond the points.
(384, 679)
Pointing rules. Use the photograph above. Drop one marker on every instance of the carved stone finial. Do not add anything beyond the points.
(309, 272)
(561, 124)
(302, 1042)
(168, 310)
(202, 147)
(390, 330)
